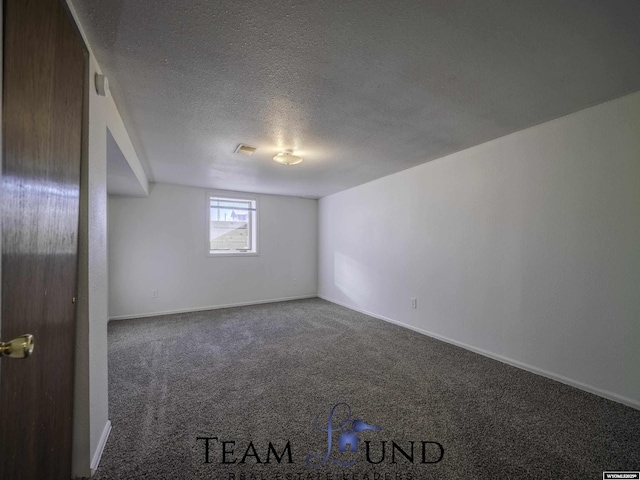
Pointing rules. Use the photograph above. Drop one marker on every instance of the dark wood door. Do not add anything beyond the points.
(43, 92)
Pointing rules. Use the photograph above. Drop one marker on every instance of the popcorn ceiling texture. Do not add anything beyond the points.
(360, 89)
(262, 373)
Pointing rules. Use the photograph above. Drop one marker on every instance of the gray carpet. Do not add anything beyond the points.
(262, 374)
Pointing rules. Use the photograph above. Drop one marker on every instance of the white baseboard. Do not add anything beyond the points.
(97, 455)
(630, 402)
(211, 307)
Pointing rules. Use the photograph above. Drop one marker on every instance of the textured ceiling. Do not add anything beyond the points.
(360, 89)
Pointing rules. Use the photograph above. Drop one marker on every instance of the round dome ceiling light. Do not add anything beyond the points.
(287, 158)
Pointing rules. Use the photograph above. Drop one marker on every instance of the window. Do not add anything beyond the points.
(232, 225)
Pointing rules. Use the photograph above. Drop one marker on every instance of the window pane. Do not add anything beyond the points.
(229, 214)
(231, 222)
(229, 235)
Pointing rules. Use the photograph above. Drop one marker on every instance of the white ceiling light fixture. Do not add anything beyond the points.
(287, 158)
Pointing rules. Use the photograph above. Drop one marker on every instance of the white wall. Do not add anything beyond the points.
(158, 243)
(526, 248)
(90, 395)
(90, 418)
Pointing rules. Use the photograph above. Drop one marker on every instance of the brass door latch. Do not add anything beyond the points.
(20, 347)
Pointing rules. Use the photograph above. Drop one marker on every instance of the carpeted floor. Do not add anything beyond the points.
(261, 374)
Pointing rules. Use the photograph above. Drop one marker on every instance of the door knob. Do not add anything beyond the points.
(20, 347)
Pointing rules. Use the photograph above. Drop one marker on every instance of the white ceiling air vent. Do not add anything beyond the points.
(244, 149)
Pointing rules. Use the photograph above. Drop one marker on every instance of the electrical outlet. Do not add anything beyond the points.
(414, 302)
(154, 293)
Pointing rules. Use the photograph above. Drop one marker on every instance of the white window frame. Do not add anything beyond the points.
(254, 224)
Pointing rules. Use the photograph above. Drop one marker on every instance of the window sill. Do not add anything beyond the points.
(232, 254)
